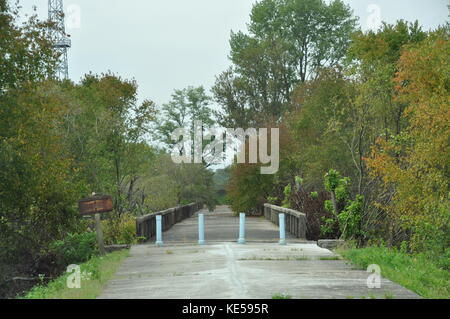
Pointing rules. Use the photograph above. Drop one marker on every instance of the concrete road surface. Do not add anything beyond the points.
(222, 226)
(223, 269)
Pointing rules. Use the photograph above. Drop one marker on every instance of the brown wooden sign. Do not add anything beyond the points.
(95, 205)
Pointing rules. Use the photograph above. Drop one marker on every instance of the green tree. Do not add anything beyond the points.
(372, 58)
(288, 41)
(187, 106)
(37, 187)
(106, 129)
(26, 54)
(375, 109)
(248, 189)
(414, 165)
(167, 184)
(318, 147)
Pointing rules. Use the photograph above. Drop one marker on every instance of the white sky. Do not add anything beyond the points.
(171, 44)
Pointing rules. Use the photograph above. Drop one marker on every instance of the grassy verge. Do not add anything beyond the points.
(417, 273)
(281, 296)
(95, 273)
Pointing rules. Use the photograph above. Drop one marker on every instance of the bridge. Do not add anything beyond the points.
(224, 269)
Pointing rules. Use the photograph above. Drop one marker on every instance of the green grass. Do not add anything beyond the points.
(417, 273)
(330, 258)
(389, 295)
(281, 296)
(287, 258)
(101, 269)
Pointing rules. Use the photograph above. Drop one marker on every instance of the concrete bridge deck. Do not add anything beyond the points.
(222, 226)
(222, 269)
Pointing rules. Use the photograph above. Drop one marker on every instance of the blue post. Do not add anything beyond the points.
(159, 241)
(241, 229)
(201, 229)
(282, 219)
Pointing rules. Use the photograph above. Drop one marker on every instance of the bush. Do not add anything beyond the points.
(287, 196)
(314, 208)
(350, 218)
(120, 230)
(74, 249)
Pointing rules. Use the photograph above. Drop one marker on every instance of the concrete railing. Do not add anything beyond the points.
(146, 225)
(295, 221)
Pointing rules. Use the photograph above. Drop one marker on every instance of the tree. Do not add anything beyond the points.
(288, 41)
(38, 178)
(26, 53)
(375, 111)
(167, 184)
(37, 188)
(372, 58)
(248, 189)
(372, 108)
(316, 34)
(415, 163)
(187, 106)
(106, 128)
(318, 106)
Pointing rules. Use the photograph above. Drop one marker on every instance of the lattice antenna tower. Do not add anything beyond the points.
(61, 41)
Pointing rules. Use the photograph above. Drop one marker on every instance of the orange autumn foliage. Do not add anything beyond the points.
(416, 163)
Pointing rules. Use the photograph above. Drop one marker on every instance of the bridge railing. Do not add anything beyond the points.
(295, 221)
(146, 225)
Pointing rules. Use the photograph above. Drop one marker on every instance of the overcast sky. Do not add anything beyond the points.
(171, 44)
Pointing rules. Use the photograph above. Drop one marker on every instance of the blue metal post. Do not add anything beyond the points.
(282, 219)
(241, 229)
(201, 229)
(159, 241)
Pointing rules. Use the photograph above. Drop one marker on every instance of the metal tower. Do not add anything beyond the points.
(61, 41)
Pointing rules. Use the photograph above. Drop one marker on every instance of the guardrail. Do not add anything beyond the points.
(146, 225)
(295, 221)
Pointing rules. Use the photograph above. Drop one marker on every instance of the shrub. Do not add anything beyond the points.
(346, 212)
(315, 212)
(120, 230)
(350, 218)
(74, 249)
(287, 195)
